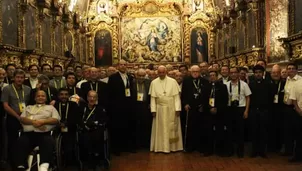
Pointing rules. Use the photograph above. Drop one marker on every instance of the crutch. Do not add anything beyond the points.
(186, 129)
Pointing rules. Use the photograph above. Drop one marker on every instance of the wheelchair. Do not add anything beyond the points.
(103, 132)
(33, 160)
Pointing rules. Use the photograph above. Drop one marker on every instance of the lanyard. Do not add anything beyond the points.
(96, 88)
(196, 86)
(61, 83)
(37, 110)
(48, 92)
(66, 112)
(213, 91)
(238, 89)
(17, 95)
(92, 112)
(142, 90)
(279, 87)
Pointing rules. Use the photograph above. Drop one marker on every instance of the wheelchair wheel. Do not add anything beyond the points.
(58, 162)
(77, 151)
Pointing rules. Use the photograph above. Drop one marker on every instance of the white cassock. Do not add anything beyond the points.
(166, 129)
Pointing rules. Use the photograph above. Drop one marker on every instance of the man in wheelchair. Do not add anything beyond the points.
(70, 118)
(37, 120)
(91, 137)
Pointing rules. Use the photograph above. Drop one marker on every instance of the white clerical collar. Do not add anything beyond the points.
(33, 79)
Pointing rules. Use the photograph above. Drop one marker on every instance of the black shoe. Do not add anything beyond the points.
(117, 153)
(254, 155)
(207, 154)
(263, 156)
(295, 160)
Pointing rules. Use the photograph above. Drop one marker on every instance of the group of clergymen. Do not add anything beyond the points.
(209, 109)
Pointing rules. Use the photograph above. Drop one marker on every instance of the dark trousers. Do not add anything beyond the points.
(28, 141)
(258, 129)
(238, 129)
(123, 131)
(290, 128)
(68, 145)
(192, 140)
(143, 125)
(276, 128)
(298, 149)
(214, 130)
(92, 143)
(13, 127)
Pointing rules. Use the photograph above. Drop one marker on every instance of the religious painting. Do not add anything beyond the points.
(10, 22)
(30, 28)
(199, 45)
(58, 40)
(103, 48)
(241, 36)
(77, 47)
(298, 16)
(152, 39)
(46, 36)
(251, 29)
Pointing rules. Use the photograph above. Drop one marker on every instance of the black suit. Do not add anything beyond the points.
(143, 114)
(267, 77)
(121, 111)
(74, 90)
(51, 94)
(261, 101)
(196, 100)
(218, 92)
(276, 115)
(99, 87)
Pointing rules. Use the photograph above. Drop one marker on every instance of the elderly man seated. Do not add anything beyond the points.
(37, 120)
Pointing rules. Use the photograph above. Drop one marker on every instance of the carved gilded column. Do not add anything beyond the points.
(21, 24)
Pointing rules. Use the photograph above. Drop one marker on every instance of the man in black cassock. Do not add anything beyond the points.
(142, 110)
(121, 110)
(214, 120)
(98, 86)
(194, 98)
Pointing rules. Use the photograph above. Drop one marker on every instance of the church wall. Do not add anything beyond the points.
(36, 32)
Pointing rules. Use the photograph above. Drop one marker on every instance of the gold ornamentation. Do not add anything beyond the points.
(242, 60)
(297, 51)
(233, 62)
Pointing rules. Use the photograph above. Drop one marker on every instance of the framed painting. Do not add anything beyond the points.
(69, 42)
(103, 48)
(151, 39)
(30, 28)
(10, 22)
(46, 36)
(199, 45)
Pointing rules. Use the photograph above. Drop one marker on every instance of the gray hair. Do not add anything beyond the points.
(43, 78)
(19, 72)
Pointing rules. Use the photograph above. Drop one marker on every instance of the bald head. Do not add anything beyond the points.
(152, 75)
(195, 71)
(94, 73)
(276, 72)
(122, 66)
(111, 70)
(141, 71)
(171, 74)
(162, 72)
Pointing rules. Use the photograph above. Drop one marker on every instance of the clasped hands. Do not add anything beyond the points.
(39, 124)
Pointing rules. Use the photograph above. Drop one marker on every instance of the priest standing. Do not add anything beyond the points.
(165, 107)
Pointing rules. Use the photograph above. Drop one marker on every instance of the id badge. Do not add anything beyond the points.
(212, 102)
(276, 98)
(140, 97)
(64, 129)
(127, 92)
(22, 107)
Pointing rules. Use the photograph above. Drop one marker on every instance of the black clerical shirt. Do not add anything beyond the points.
(262, 95)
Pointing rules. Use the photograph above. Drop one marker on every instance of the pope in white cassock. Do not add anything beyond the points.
(165, 107)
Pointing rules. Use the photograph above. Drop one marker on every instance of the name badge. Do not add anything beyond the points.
(127, 92)
(212, 102)
(22, 107)
(64, 129)
(140, 97)
(276, 98)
